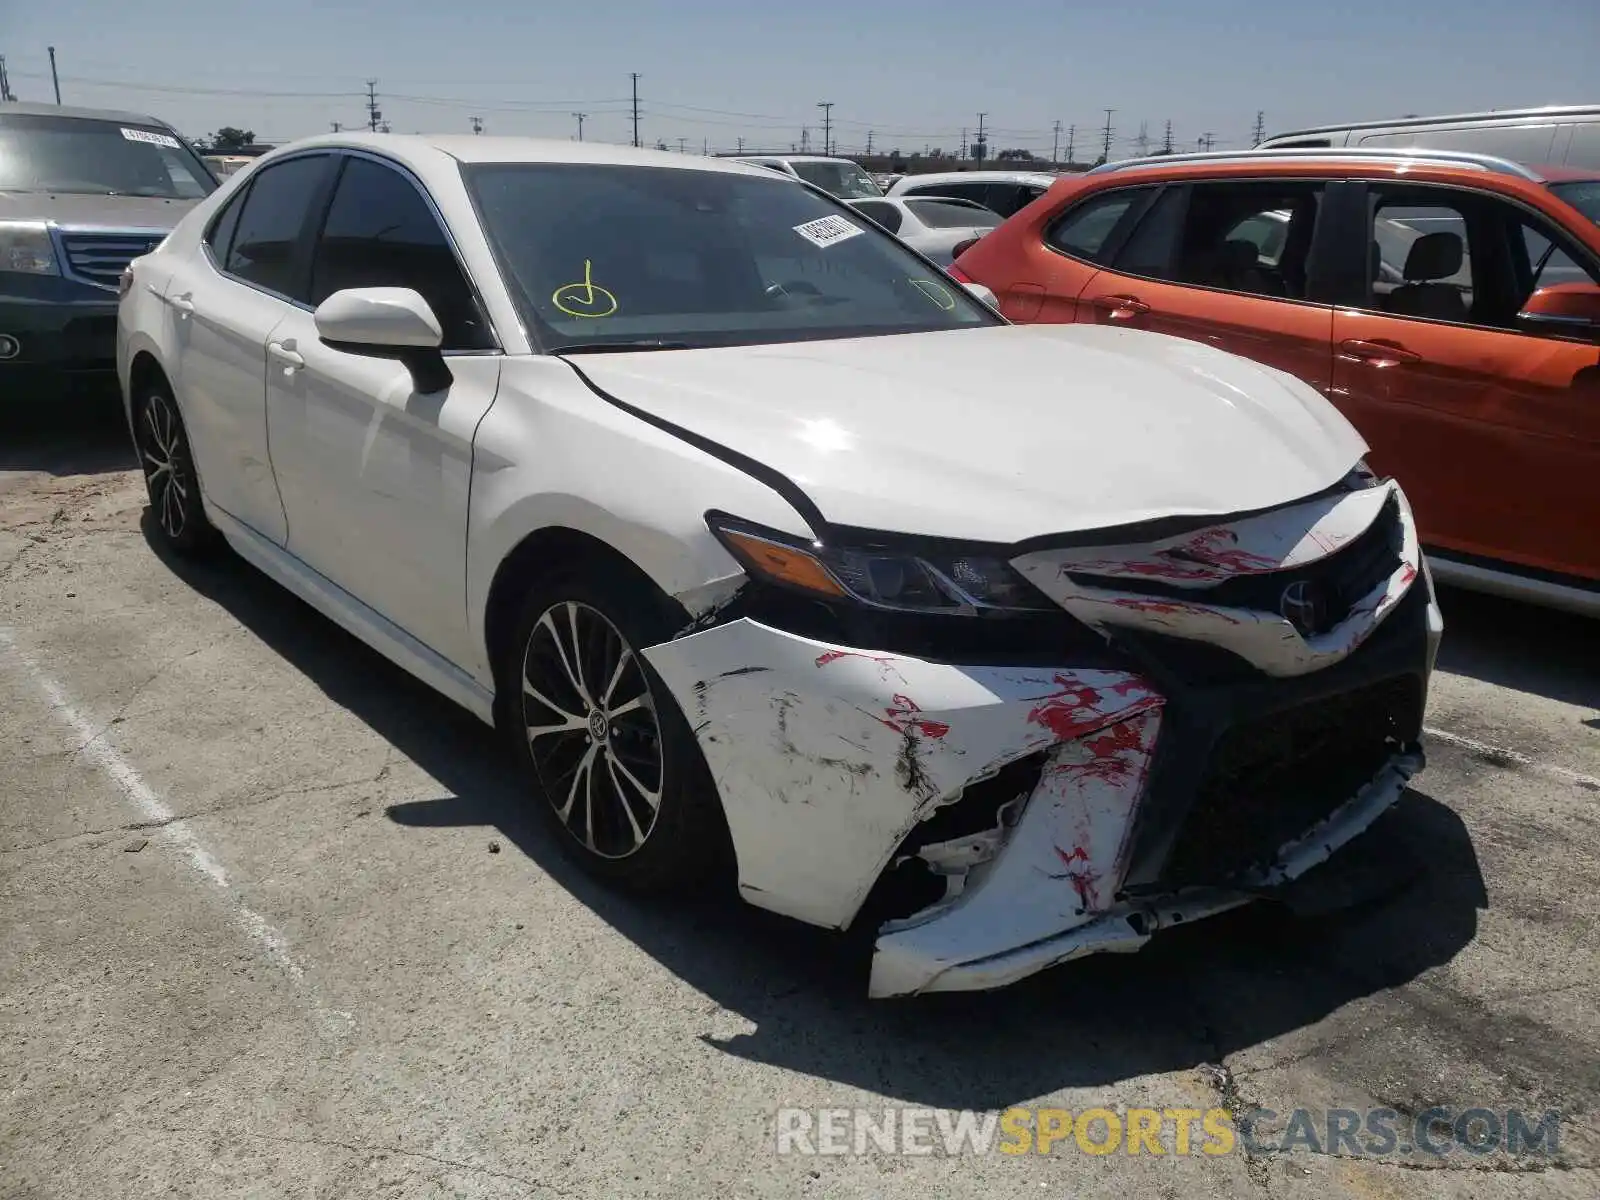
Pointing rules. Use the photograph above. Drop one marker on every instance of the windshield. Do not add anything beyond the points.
(1583, 195)
(600, 254)
(953, 214)
(76, 154)
(843, 179)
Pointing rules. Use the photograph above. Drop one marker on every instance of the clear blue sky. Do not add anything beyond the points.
(914, 73)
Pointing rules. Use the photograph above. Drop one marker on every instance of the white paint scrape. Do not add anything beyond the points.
(167, 826)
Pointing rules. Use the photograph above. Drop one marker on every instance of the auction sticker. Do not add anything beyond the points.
(827, 231)
(155, 139)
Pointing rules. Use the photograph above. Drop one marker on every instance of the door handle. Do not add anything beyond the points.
(1378, 354)
(284, 353)
(1120, 308)
(182, 303)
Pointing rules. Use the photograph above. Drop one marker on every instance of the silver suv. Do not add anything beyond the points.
(83, 192)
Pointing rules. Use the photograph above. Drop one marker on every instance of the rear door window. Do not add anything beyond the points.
(267, 244)
(882, 212)
(1085, 229)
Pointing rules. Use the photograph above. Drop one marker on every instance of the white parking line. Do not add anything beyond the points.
(166, 826)
(1506, 757)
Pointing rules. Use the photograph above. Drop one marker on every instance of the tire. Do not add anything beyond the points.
(622, 781)
(169, 473)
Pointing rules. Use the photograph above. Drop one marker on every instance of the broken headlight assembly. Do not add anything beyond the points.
(935, 580)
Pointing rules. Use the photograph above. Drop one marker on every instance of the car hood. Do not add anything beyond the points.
(112, 212)
(1001, 433)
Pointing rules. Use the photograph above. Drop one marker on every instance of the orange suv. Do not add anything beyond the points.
(1448, 303)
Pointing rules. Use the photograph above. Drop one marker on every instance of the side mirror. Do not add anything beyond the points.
(1570, 308)
(984, 294)
(387, 322)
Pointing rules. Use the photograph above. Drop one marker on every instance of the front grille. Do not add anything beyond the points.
(99, 258)
(1342, 578)
(1272, 778)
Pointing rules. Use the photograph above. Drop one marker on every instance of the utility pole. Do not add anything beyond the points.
(338, 126)
(1143, 140)
(1166, 142)
(373, 115)
(869, 143)
(1055, 146)
(1259, 133)
(1204, 141)
(681, 141)
(636, 110)
(705, 147)
(1072, 134)
(5, 83)
(805, 139)
(740, 143)
(580, 117)
(979, 147)
(963, 143)
(54, 78)
(827, 125)
(477, 124)
(1105, 145)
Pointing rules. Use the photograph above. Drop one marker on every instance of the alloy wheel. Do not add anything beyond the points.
(593, 732)
(166, 471)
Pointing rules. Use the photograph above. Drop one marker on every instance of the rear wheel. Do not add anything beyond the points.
(614, 766)
(169, 474)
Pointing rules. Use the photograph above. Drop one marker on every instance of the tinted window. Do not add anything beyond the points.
(882, 212)
(380, 232)
(221, 235)
(1009, 198)
(263, 250)
(976, 192)
(1237, 237)
(75, 154)
(844, 179)
(1084, 230)
(1583, 195)
(612, 253)
(953, 214)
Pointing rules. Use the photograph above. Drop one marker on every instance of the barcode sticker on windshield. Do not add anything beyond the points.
(155, 139)
(825, 231)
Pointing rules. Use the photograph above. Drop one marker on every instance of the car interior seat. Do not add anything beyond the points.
(1433, 257)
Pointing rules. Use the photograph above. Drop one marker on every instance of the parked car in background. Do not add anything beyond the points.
(82, 193)
(223, 165)
(886, 180)
(765, 543)
(1556, 136)
(1448, 303)
(1005, 192)
(935, 227)
(837, 176)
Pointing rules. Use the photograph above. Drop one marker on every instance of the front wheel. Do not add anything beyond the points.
(614, 766)
(169, 474)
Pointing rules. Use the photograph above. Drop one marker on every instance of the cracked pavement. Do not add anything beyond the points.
(457, 1022)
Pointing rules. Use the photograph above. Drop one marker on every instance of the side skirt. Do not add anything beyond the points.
(339, 606)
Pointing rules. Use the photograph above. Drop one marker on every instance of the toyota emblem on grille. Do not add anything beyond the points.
(1303, 607)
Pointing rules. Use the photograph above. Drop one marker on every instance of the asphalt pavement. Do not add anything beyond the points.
(276, 921)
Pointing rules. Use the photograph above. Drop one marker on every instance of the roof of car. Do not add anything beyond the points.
(1506, 114)
(22, 108)
(481, 148)
(1321, 160)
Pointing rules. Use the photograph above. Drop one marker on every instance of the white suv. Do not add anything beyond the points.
(837, 176)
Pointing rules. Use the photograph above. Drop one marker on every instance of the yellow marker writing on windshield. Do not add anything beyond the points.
(586, 299)
(935, 292)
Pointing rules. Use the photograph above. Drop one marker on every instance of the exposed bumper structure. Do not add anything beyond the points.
(1053, 811)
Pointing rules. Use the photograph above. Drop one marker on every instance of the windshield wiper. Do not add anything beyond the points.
(621, 347)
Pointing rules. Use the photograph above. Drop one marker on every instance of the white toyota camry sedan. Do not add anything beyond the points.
(766, 543)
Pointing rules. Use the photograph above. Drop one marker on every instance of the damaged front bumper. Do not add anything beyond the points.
(998, 820)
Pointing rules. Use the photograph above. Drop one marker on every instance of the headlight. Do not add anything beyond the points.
(25, 247)
(935, 581)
